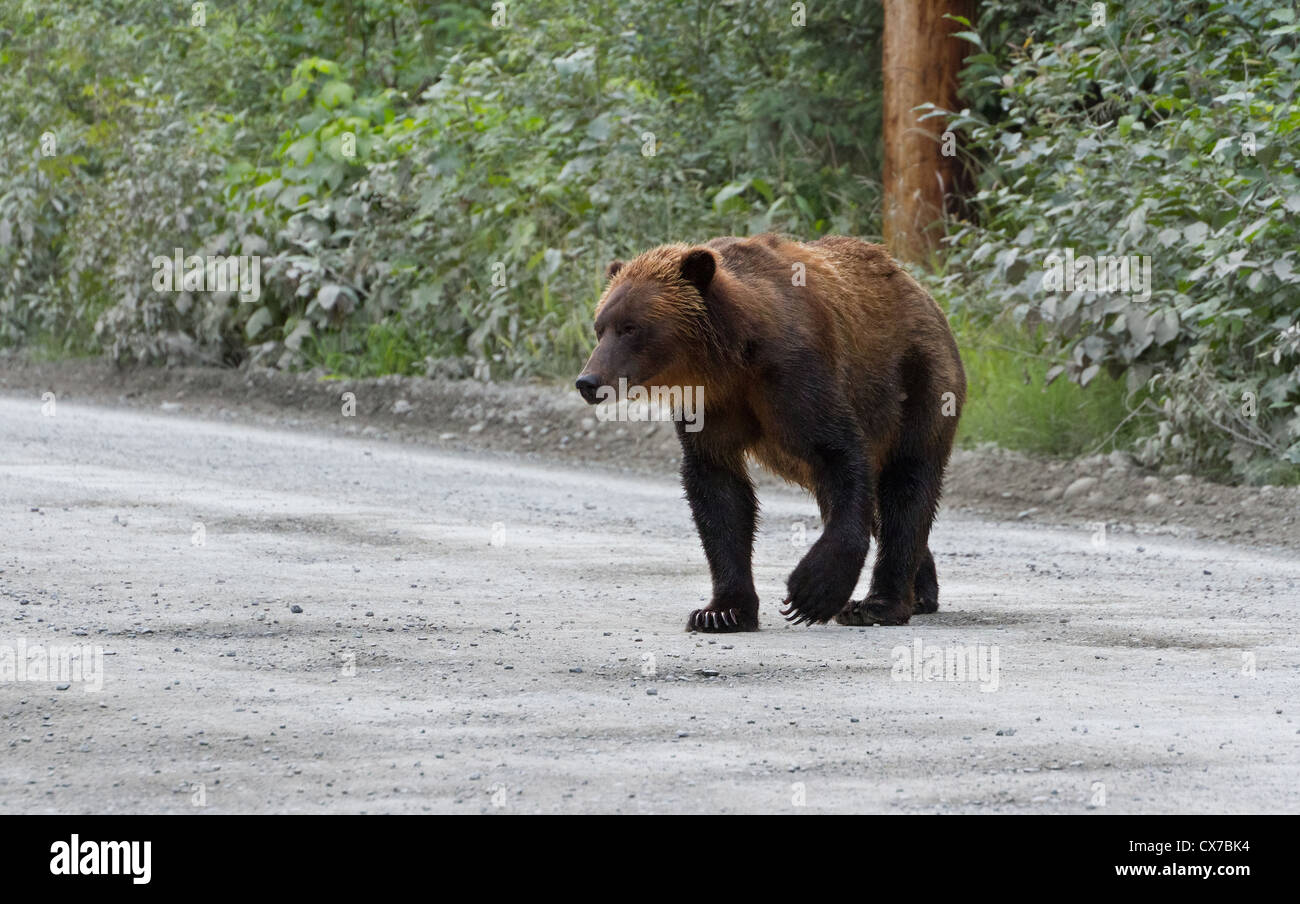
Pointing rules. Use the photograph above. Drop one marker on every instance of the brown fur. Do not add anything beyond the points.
(798, 377)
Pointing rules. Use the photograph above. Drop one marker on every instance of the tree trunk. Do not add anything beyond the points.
(921, 63)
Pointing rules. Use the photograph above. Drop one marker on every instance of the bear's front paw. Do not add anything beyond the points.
(876, 610)
(723, 620)
(820, 585)
(727, 612)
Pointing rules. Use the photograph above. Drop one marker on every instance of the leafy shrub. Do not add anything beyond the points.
(1131, 139)
(488, 172)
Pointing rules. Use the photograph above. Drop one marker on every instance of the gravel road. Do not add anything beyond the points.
(293, 620)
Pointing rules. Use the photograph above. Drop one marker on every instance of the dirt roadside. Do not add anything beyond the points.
(549, 423)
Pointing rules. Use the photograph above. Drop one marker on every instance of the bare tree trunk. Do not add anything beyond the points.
(921, 63)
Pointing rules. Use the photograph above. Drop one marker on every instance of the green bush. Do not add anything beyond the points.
(1130, 139)
(413, 168)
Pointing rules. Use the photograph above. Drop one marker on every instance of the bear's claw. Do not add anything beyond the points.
(795, 616)
(722, 621)
(822, 582)
(810, 615)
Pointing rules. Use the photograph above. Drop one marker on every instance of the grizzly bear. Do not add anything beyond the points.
(827, 363)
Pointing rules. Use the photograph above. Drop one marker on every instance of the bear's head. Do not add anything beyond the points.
(651, 322)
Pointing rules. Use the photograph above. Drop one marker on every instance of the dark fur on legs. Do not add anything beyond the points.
(725, 510)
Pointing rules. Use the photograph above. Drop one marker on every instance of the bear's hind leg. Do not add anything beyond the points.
(907, 496)
(926, 585)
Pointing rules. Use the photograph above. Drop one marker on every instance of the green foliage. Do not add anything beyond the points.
(412, 166)
(1130, 139)
(1011, 401)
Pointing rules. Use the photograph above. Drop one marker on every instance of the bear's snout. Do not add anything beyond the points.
(587, 385)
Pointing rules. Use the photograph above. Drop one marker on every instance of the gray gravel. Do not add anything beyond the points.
(480, 633)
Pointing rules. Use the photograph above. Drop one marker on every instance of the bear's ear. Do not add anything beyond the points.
(698, 267)
(612, 270)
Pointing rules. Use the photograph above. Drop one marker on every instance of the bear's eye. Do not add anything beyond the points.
(627, 329)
